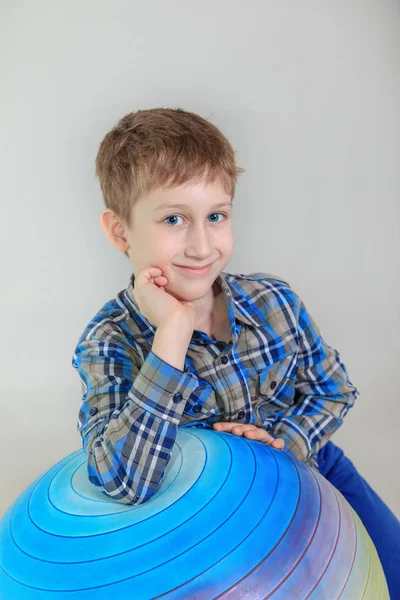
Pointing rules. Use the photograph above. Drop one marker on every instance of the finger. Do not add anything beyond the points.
(151, 272)
(160, 280)
(259, 434)
(263, 436)
(279, 443)
(223, 426)
(248, 426)
(228, 425)
(242, 428)
(237, 430)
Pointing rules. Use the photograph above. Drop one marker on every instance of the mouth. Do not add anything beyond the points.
(195, 270)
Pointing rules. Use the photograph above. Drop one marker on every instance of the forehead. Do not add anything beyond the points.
(189, 196)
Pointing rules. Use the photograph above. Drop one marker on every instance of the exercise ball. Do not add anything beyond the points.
(233, 518)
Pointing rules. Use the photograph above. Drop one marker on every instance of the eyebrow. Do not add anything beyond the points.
(165, 205)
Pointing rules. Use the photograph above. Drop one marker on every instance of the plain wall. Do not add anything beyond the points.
(307, 92)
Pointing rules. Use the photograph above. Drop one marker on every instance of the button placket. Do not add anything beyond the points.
(245, 398)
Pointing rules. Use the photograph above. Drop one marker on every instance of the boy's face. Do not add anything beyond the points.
(196, 234)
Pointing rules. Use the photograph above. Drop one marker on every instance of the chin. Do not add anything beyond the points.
(193, 290)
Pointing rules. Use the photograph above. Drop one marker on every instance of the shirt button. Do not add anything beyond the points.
(273, 385)
(196, 408)
(241, 414)
(92, 411)
(177, 397)
(224, 360)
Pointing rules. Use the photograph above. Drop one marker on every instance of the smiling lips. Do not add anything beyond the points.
(195, 270)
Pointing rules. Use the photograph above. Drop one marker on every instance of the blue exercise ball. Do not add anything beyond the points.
(232, 518)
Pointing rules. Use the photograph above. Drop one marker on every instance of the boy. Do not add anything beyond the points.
(187, 344)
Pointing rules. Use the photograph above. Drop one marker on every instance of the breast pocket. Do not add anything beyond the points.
(276, 390)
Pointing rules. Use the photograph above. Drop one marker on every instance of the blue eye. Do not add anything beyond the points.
(178, 217)
(172, 217)
(216, 214)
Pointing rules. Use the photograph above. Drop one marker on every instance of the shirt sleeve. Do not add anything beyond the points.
(323, 394)
(129, 416)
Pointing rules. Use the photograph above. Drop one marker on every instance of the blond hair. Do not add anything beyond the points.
(158, 147)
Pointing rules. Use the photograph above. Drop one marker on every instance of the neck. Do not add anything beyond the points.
(211, 314)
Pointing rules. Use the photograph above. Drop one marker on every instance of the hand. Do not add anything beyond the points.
(157, 305)
(252, 432)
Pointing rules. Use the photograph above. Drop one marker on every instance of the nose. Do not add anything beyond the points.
(198, 244)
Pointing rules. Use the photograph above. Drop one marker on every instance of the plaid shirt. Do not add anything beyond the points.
(277, 372)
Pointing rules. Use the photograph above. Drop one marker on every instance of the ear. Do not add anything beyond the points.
(114, 229)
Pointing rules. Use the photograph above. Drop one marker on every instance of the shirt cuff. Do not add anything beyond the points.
(162, 389)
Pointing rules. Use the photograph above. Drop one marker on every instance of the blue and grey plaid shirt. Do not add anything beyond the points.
(277, 372)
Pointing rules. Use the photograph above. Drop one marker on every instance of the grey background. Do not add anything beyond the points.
(307, 92)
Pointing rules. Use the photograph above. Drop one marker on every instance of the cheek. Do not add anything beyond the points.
(156, 241)
(161, 249)
(225, 239)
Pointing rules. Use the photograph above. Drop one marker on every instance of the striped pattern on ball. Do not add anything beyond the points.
(233, 518)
